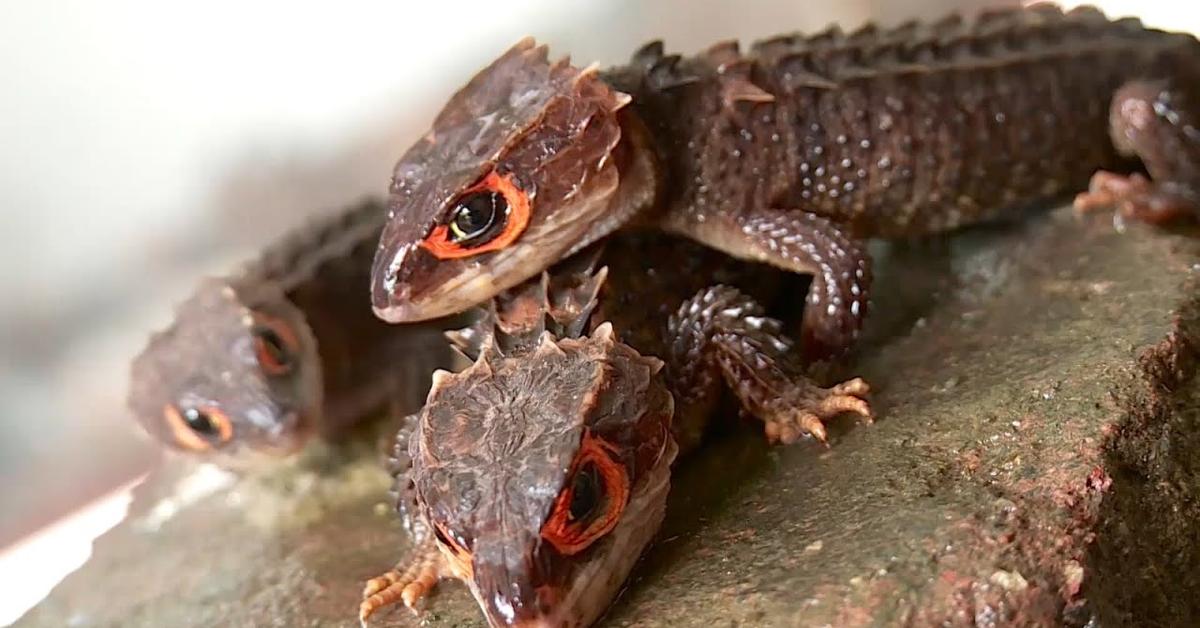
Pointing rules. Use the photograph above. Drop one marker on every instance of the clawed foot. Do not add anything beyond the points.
(1134, 196)
(406, 582)
(806, 411)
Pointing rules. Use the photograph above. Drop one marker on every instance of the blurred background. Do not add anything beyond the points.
(144, 144)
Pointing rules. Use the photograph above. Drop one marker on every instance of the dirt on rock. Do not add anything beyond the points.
(1036, 462)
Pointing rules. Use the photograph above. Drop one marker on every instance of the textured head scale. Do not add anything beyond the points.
(235, 370)
(519, 170)
(543, 468)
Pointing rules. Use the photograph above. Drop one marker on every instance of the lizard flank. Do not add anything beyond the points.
(791, 153)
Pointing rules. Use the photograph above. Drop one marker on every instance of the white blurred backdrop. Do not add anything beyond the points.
(144, 143)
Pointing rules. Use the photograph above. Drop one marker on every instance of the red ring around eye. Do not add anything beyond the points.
(571, 537)
(275, 355)
(439, 244)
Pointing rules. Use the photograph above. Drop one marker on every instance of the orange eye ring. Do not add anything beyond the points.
(439, 242)
(275, 345)
(570, 536)
(191, 434)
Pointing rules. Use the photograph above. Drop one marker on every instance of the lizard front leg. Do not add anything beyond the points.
(722, 331)
(806, 243)
(413, 578)
(407, 582)
(1160, 124)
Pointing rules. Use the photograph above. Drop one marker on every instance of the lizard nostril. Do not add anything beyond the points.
(391, 288)
(399, 290)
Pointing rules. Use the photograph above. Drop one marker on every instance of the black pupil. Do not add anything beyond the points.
(476, 213)
(274, 345)
(200, 422)
(585, 493)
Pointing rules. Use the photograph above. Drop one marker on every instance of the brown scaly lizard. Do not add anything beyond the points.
(791, 153)
(284, 348)
(539, 474)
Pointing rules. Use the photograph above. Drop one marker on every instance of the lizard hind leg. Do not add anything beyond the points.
(1160, 124)
(722, 334)
(407, 582)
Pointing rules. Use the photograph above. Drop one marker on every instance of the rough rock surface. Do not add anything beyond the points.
(1036, 462)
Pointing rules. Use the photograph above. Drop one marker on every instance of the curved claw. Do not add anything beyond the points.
(1135, 197)
(418, 577)
(808, 411)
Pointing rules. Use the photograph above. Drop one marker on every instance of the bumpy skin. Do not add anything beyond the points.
(335, 364)
(703, 313)
(911, 131)
(487, 462)
(793, 152)
(724, 333)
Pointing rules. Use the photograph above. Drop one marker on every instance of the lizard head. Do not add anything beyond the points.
(524, 165)
(545, 474)
(236, 370)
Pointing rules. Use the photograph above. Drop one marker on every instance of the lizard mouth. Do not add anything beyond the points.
(249, 456)
(300, 427)
(462, 284)
(295, 431)
(468, 284)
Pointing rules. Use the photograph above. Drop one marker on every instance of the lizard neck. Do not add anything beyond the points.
(639, 162)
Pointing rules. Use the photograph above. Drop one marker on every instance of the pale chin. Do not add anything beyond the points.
(247, 458)
(458, 294)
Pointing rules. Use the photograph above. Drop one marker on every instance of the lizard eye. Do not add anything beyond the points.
(592, 502)
(488, 216)
(200, 428)
(586, 493)
(274, 345)
(475, 215)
